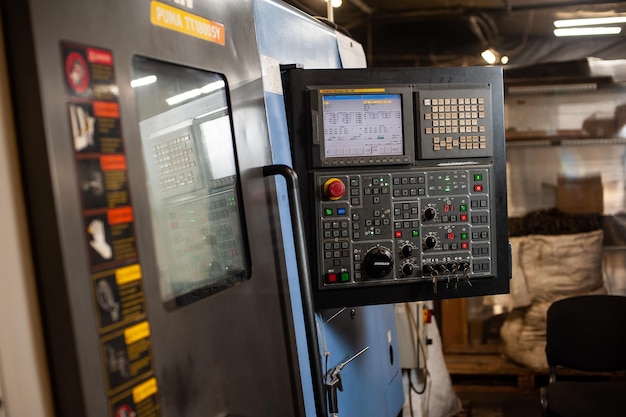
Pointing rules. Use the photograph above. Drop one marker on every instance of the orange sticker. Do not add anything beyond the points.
(120, 215)
(106, 109)
(181, 21)
(113, 162)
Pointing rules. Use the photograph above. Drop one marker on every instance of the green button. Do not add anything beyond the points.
(463, 207)
(345, 277)
(415, 233)
(328, 212)
(463, 236)
(478, 177)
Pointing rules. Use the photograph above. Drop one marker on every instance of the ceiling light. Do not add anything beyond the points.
(504, 60)
(335, 3)
(490, 56)
(568, 23)
(588, 31)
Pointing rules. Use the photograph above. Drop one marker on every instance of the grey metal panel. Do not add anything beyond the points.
(231, 353)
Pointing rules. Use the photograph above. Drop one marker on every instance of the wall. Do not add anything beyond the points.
(23, 379)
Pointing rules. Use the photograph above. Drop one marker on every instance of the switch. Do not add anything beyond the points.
(334, 188)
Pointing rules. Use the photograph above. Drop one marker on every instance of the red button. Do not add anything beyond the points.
(398, 233)
(463, 217)
(334, 188)
(464, 245)
(478, 188)
(451, 236)
(331, 278)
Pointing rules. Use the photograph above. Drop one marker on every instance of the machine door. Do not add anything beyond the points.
(156, 238)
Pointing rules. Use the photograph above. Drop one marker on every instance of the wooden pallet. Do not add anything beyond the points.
(490, 371)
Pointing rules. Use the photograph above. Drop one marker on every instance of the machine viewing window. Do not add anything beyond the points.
(362, 124)
(195, 199)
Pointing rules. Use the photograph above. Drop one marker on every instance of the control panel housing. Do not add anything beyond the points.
(403, 182)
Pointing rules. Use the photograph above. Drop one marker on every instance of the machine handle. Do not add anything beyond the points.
(297, 224)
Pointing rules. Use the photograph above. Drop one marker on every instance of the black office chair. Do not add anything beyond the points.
(586, 333)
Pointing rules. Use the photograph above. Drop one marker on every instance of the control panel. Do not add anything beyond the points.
(405, 225)
(405, 182)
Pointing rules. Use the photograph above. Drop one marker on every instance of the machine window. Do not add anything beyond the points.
(192, 180)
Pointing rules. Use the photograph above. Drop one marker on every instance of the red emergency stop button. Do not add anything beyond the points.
(334, 188)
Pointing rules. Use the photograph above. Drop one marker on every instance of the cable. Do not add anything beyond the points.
(422, 349)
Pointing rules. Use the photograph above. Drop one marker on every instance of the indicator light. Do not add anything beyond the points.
(464, 245)
(398, 233)
(478, 177)
(415, 233)
(464, 236)
(328, 212)
(463, 217)
(463, 207)
(478, 188)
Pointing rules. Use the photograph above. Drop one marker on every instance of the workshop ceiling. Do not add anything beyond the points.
(454, 32)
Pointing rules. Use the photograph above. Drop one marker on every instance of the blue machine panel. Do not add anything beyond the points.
(372, 382)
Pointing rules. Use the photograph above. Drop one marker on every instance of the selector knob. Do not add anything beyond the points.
(430, 213)
(334, 188)
(407, 269)
(378, 262)
(430, 242)
(406, 250)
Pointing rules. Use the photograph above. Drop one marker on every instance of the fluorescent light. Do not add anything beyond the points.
(588, 31)
(188, 95)
(150, 79)
(552, 88)
(214, 86)
(568, 23)
(489, 56)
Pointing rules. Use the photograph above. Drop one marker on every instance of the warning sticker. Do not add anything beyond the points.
(128, 356)
(138, 401)
(119, 296)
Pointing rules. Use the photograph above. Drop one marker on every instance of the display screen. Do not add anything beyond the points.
(358, 125)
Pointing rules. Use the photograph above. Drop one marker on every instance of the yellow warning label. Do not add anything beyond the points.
(137, 332)
(353, 90)
(128, 274)
(144, 390)
(181, 21)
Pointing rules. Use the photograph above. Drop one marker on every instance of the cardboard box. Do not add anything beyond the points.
(580, 194)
